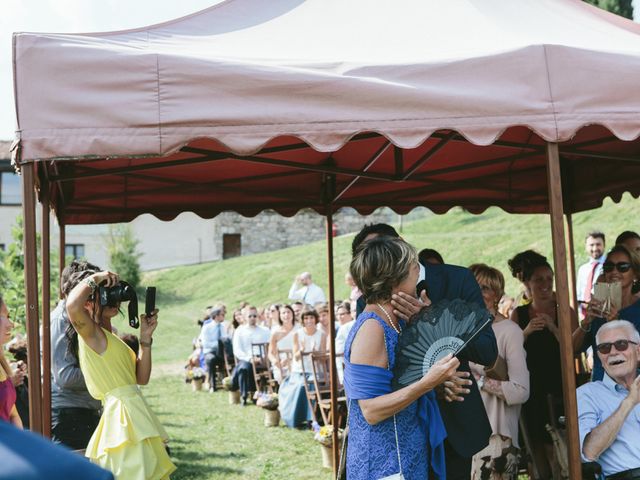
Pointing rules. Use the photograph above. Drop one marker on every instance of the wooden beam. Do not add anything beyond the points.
(332, 344)
(31, 294)
(46, 309)
(564, 310)
(572, 262)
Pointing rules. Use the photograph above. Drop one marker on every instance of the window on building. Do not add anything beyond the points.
(76, 250)
(10, 190)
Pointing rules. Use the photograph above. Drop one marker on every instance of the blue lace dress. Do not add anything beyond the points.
(371, 451)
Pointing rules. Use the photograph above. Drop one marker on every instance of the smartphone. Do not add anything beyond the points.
(150, 301)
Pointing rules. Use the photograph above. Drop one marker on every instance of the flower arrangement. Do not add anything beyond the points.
(324, 435)
(226, 383)
(197, 374)
(268, 401)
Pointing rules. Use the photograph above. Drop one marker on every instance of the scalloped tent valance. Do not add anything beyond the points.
(293, 104)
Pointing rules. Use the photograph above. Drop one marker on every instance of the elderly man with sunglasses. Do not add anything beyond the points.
(608, 411)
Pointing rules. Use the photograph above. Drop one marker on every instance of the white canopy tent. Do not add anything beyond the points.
(246, 71)
(383, 90)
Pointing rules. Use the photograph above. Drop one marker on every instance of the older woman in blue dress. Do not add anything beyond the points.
(389, 432)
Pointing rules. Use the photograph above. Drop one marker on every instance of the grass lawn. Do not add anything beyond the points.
(212, 440)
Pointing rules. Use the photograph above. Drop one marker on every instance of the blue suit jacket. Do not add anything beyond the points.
(468, 428)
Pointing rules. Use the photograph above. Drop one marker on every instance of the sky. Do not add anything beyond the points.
(82, 16)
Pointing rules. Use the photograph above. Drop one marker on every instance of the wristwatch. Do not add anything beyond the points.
(146, 344)
(92, 284)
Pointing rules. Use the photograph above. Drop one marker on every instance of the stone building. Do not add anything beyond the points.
(188, 239)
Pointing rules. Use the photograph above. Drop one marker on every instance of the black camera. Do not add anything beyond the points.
(123, 292)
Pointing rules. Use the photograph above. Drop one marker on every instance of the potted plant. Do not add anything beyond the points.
(324, 436)
(269, 402)
(197, 375)
(234, 396)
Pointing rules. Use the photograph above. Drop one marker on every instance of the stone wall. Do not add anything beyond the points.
(270, 231)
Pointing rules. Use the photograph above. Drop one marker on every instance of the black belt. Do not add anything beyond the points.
(631, 474)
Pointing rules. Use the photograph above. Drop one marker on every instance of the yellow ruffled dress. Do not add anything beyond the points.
(129, 440)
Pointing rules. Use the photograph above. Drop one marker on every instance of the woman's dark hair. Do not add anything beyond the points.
(310, 312)
(381, 229)
(74, 278)
(235, 322)
(131, 341)
(531, 267)
(527, 261)
(634, 259)
(626, 235)
(290, 308)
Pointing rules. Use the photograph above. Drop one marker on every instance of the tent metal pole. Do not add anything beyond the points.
(46, 310)
(554, 182)
(31, 294)
(572, 263)
(332, 344)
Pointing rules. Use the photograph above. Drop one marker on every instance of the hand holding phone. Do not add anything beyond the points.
(150, 301)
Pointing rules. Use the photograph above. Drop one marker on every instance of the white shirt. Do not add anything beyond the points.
(244, 337)
(341, 339)
(583, 275)
(309, 294)
(210, 334)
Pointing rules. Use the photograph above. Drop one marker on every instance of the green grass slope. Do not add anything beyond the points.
(460, 237)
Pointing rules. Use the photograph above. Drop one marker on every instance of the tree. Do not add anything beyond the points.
(624, 8)
(12, 274)
(123, 255)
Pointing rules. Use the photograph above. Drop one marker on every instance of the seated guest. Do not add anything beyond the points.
(233, 325)
(620, 266)
(502, 397)
(246, 335)
(608, 412)
(282, 339)
(211, 337)
(323, 317)
(294, 406)
(273, 315)
(346, 322)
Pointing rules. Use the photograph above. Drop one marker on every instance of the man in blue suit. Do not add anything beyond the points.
(465, 418)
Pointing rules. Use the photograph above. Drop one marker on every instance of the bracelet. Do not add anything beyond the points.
(91, 283)
(146, 344)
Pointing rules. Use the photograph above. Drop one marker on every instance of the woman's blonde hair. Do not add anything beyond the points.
(380, 264)
(491, 277)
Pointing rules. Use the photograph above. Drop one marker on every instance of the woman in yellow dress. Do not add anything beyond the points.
(129, 440)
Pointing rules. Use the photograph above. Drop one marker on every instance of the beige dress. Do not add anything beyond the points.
(503, 409)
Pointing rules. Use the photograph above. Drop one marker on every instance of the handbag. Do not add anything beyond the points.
(395, 476)
(498, 371)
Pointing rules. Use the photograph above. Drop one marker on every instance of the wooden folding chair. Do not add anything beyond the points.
(321, 363)
(284, 361)
(261, 367)
(228, 367)
(309, 387)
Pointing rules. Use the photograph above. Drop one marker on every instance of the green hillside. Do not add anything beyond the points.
(460, 237)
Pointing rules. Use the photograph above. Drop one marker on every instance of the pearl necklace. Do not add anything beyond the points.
(397, 329)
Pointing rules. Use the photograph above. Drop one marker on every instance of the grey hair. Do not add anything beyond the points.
(619, 324)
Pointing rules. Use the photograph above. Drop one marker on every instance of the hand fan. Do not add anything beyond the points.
(444, 327)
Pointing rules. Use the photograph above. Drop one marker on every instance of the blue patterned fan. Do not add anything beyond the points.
(444, 327)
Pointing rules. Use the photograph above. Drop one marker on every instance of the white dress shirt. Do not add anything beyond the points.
(309, 294)
(245, 336)
(583, 275)
(210, 334)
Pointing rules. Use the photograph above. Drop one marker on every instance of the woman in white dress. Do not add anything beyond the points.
(294, 406)
(281, 340)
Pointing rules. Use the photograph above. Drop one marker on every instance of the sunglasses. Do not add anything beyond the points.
(253, 316)
(622, 267)
(621, 346)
